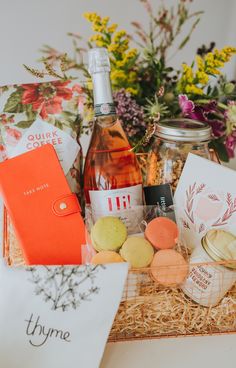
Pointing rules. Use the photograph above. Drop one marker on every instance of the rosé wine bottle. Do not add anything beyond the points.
(112, 178)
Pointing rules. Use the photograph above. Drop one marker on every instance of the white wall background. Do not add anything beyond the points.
(28, 24)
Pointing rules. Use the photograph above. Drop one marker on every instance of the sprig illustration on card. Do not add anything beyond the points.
(203, 206)
(231, 209)
(65, 287)
(191, 193)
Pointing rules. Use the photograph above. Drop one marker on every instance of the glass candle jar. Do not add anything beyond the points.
(208, 281)
(174, 139)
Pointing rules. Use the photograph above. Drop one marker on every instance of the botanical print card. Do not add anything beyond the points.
(205, 198)
(57, 316)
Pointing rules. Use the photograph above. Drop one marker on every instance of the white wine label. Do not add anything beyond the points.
(41, 133)
(125, 203)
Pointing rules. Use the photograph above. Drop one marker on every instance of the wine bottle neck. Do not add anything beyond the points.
(102, 92)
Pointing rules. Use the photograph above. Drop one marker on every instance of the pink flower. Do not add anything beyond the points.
(187, 106)
(3, 154)
(73, 173)
(46, 98)
(5, 120)
(208, 113)
(230, 144)
(77, 88)
(12, 136)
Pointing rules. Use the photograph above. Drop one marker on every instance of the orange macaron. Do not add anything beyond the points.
(106, 256)
(169, 268)
(162, 233)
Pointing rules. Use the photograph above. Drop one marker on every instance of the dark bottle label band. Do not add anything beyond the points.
(104, 109)
(158, 194)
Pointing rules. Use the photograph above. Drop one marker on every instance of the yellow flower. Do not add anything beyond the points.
(132, 53)
(121, 56)
(118, 35)
(123, 46)
(98, 40)
(112, 28)
(96, 37)
(132, 76)
(113, 47)
(192, 89)
(88, 113)
(200, 62)
(89, 84)
(101, 44)
(132, 91)
(120, 63)
(92, 17)
(118, 74)
(105, 20)
(202, 77)
(187, 73)
(98, 28)
(194, 82)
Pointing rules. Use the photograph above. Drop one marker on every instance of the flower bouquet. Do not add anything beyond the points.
(146, 87)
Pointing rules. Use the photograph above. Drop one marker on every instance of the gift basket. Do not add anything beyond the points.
(181, 252)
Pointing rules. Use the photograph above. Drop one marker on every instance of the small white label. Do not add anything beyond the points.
(120, 203)
(41, 133)
(207, 283)
(105, 109)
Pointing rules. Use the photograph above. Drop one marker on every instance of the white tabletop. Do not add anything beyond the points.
(187, 352)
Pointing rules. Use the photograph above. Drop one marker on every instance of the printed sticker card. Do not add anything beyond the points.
(57, 316)
(205, 198)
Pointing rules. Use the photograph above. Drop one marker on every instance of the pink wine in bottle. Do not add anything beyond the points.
(112, 177)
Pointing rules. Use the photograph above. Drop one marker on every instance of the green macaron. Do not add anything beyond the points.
(108, 233)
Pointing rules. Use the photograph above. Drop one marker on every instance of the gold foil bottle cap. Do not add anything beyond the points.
(221, 246)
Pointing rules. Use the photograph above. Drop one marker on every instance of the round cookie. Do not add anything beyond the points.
(137, 251)
(162, 233)
(106, 256)
(169, 267)
(108, 233)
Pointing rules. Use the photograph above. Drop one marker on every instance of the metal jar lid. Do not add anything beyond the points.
(185, 130)
(220, 245)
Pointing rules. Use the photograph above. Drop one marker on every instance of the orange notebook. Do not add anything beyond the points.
(44, 212)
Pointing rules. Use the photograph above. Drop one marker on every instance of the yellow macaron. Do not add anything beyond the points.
(108, 233)
(137, 251)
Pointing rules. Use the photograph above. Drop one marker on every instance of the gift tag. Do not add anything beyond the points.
(57, 316)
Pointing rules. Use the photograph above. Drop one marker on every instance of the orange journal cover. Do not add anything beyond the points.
(44, 212)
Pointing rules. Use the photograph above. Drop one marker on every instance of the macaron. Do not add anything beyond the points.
(108, 233)
(169, 267)
(106, 256)
(162, 233)
(137, 251)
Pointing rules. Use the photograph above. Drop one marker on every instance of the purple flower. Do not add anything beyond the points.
(131, 114)
(206, 113)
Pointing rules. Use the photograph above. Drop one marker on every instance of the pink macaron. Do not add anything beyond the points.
(162, 233)
(169, 268)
